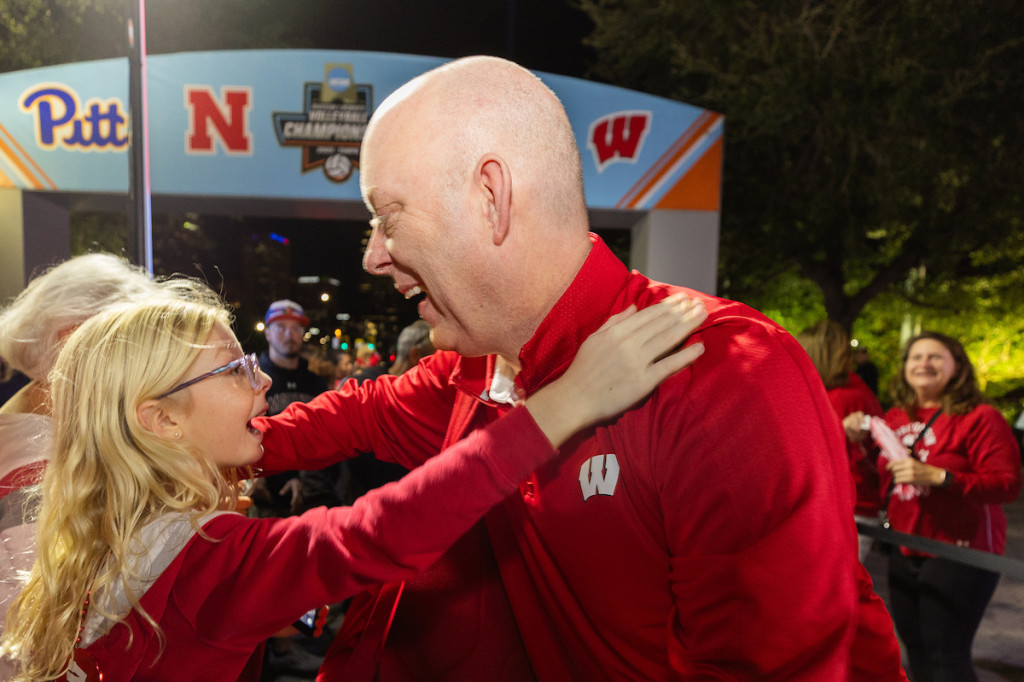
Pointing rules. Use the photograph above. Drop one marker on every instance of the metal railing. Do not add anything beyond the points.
(963, 555)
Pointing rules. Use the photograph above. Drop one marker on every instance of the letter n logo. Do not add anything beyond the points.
(599, 475)
(226, 120)
(618, 137)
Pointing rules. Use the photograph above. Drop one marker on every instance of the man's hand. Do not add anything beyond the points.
(293, 489)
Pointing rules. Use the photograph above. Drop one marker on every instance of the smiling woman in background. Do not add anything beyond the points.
(965, 464)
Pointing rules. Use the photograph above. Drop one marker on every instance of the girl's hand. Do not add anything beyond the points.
(619, 365)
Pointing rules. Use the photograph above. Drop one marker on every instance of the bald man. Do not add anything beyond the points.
(704, 534)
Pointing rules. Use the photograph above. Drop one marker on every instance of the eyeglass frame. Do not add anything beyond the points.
(249, 361)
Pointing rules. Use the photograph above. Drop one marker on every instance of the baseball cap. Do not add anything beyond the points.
(286, 310)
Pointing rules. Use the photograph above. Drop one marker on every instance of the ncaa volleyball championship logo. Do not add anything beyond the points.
(331, 125)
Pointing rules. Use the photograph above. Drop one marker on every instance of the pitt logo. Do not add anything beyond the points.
(227, 119)
(61, 120)
(599, 475)
(618, 137)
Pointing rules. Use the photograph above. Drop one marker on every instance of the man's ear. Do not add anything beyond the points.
(155, 417)
(496, 181)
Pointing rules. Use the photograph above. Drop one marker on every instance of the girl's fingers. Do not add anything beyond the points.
(618, 318)
(662, 333)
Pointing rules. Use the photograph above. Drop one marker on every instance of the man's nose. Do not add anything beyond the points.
(376, 258)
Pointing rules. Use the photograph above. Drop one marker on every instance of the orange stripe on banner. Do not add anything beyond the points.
(666, 165)
(701, 188)
(25, 173)
(660, 163)
(25, 154)
(5, 181)
(666, 160)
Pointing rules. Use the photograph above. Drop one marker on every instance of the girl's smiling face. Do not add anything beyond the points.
(216, 417)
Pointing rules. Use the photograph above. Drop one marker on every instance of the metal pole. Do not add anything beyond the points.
(138, 189)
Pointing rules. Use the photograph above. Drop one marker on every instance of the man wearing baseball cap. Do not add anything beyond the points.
(285, 328)
(290, 492)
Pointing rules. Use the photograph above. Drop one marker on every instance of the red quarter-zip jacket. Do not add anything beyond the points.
(706, 533)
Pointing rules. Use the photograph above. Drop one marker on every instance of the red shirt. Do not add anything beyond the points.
(705, 533)
(218, 600)
(981, 451)
(855, 396)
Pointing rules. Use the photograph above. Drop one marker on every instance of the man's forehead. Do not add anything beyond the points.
(287, 323)
(395, 126)
(372, 169)
(396, 137)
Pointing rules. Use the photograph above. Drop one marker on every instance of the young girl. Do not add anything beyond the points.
(152, 407)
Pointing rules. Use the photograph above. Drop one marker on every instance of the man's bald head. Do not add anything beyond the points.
(472, 174)
(470, 107)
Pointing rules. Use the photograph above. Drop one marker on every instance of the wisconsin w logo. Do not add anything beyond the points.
(598, 476)
(618, 137)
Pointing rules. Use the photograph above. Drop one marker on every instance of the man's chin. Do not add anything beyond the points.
(442, 339)
(461, 344)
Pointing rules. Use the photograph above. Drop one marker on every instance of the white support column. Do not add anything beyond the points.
(677, 247)
(12, 255)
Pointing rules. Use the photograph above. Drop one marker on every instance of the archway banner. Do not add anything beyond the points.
(289, 123)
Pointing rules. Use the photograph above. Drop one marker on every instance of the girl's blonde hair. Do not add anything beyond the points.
(828, 346)
(109, 476)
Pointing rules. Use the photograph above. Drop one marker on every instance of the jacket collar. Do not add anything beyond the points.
(581, 310)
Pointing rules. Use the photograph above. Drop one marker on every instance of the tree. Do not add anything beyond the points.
(986, 312)
(40, 32)
(863, 139)
(37, 33)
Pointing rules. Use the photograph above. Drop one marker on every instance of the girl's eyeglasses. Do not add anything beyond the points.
(248, 362)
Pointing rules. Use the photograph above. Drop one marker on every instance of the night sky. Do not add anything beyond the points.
(544, 35)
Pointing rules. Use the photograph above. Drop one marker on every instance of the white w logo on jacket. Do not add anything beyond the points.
(599, 475)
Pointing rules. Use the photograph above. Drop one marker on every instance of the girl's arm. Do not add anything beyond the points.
(395, 531)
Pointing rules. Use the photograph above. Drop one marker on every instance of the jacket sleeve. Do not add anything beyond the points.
(995, 473)
(399, 419)
(757, 501)
(257, 576)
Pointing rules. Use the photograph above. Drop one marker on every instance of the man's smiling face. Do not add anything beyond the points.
(424, 236)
